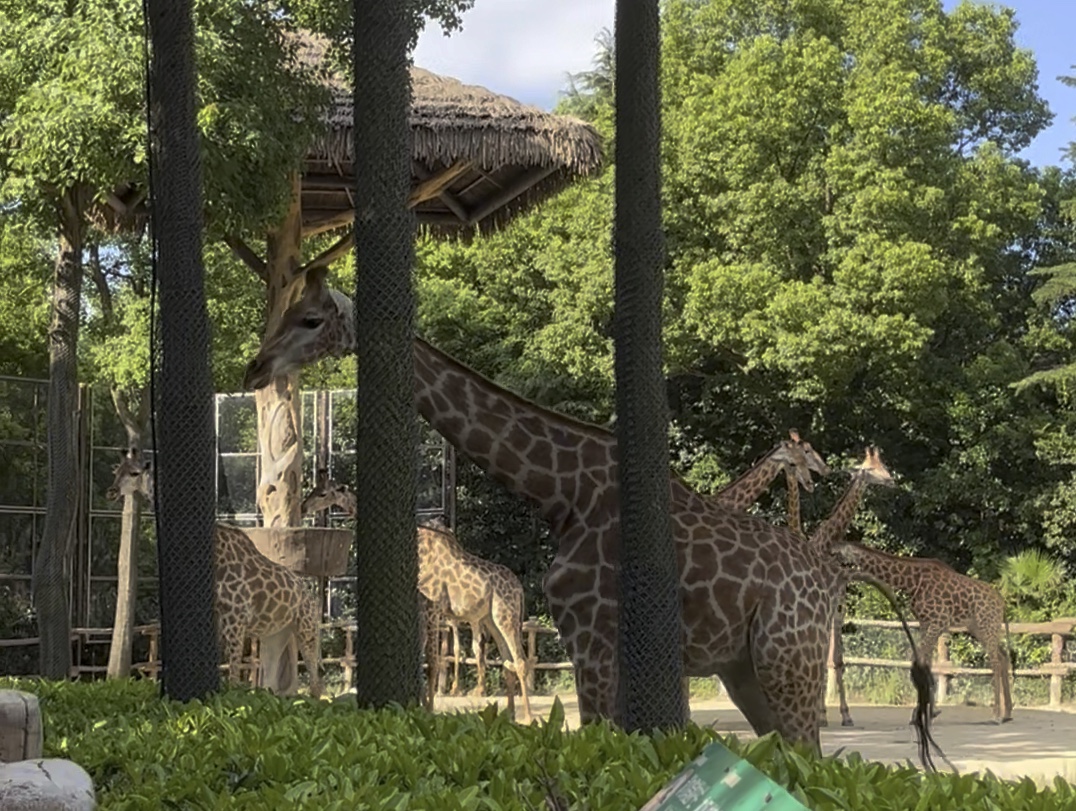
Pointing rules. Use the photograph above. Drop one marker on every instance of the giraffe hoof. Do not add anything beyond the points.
(848, 722)
(1006, 720)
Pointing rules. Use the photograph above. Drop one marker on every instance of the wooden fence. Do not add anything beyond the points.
(1056, 669)
(944, 670)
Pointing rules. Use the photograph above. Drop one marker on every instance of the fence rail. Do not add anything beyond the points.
(944, 670)
(1056, 670)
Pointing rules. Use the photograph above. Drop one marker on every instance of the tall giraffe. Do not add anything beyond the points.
(787, 455)
(941, 598)
(756, 607)
(486, 595)
(870, 471)
(253, 596)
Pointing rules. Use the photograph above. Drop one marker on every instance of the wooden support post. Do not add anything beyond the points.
(1057, 647)
(831, 667)
(349, 656)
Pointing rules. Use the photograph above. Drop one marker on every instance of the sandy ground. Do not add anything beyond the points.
(1037, 743)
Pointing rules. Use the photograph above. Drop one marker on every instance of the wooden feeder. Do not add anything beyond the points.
(310, 551)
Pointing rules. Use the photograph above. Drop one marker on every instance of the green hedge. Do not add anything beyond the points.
(249, 749)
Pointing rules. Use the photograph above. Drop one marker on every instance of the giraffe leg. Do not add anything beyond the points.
(479, 652)
(507, 633)
(838, 666)
(743, 690)
(999, 665)
(231, 643)
(308, 637)
(456, 653)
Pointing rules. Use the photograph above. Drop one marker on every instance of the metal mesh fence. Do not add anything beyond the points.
(387, 577)
(183, 423)
(650, 693)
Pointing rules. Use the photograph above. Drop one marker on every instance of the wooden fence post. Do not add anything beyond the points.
(531, 651)
(1057, 646)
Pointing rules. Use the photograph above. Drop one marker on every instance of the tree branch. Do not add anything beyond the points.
(246, 254)
(332, 253)
(100, 282)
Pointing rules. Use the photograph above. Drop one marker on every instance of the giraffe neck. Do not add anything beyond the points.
(745, 490)
(792, 484)
(891, 570)
(833, 528)
(556, 461)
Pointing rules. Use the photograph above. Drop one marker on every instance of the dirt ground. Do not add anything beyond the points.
(1037, 743)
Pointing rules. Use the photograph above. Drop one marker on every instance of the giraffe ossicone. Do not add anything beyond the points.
(253, 596)
(756, 603)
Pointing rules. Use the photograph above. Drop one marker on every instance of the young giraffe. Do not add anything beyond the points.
(486, 595)
(870, 471)
(756, 608)
(941, 598)
(793, 480)
(254, 596)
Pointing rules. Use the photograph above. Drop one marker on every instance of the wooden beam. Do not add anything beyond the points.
(433, 185)
(450, 201)
(510, 193)
(247, 256)
(318, 221)
(320, 182)
(332, 253)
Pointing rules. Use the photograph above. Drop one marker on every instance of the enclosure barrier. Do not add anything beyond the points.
(944, 670)
(1056, 669)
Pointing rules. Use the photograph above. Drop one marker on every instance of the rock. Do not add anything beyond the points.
(45, 785)
(20, 726)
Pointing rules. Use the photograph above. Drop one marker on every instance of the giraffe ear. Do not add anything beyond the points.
(794, 434)
(315, 280)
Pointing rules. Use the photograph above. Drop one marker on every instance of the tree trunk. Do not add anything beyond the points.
(52, 570)
(651, 693)
(119, 654)
(280, 436)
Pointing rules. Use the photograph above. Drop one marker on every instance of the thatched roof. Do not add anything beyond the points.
(478, 157)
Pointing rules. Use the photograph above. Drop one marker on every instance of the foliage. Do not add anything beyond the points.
(850, 239)
(25, 268)
(244, 749)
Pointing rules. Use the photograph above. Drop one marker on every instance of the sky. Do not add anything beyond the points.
(526, 49)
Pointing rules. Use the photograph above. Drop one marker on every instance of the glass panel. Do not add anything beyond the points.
(310, 420)
(345, 423)
(16, 544)
(102, 603)
(237, 427)
(20, 479)
(147, 548)
(237, 484)
(104, 545)
(147, 604)
(20, 410)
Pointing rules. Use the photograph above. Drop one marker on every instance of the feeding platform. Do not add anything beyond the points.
(310, 551)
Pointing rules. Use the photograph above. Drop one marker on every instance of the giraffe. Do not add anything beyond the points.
(941, 598)
(253, 596)
(787, 455)
(755, 607)
(870, 471)
(467, 588)
(793, 480)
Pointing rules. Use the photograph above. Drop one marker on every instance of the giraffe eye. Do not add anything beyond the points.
(312, 321)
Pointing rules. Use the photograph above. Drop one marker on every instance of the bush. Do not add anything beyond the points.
(249, 749)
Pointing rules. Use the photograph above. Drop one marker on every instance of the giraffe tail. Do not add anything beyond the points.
(923, 680)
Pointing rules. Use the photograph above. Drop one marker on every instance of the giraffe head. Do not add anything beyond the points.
(132, 475)
(815, 462)
(329, 494)
(873, 470)
(795, 461)
(320, 323)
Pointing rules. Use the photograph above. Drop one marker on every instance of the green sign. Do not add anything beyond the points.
(717, 780)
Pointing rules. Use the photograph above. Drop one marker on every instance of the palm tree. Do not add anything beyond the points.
(651, 667)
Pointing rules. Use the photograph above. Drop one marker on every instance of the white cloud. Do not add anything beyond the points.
(520, 48)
